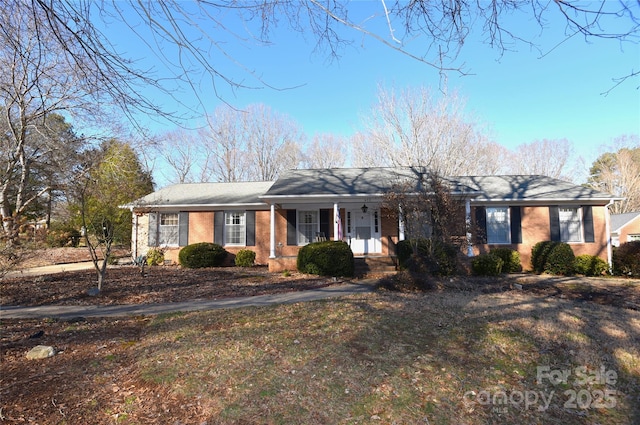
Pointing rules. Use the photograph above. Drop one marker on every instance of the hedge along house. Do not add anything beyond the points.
(275, 219)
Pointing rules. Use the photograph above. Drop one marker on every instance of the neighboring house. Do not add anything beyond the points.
(625, 228)
(275, 219)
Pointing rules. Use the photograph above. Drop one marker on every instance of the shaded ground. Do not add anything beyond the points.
(96, 376)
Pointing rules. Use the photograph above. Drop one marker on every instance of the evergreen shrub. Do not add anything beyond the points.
(245, 258)
(203, 254)
(626, 259)
(510, 259)
(487, 265)
(326, 258)
(590, 265)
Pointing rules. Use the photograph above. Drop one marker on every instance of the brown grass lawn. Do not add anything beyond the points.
(472, 353)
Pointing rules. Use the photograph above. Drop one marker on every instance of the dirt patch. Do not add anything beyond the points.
(125, 285)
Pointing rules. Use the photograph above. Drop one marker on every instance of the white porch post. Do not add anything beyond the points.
(336, 225)
(401, 235)
(467, 210)
(272, 232)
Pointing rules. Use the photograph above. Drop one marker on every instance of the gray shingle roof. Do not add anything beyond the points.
(619, 220)
(529, 188)
(339, 182)
(377, 181)
(205, 194)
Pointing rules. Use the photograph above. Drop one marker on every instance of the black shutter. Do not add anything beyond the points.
(153, 229)
(587, 223)
(183, 228)
(554, 220)
(292, 237)
(218, 227)
(516, 224)
(251, 228)
(325, 222)
(481, 224)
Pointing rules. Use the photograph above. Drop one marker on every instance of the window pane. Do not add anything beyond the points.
(570, 225)
(498, 228)
(307, 226)
(234, 229)
(168, 229)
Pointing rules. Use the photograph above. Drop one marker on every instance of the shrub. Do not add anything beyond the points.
(63, 237)
(560, 260)
(510, 258)
(440, 259)
(539, 254)
(155, 257)
(203, 254)
(326, 258)
(245, 258)
(590, 265)
(626, 259)
(487, 265)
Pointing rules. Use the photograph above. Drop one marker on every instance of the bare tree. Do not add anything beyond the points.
(326, 151)
(255, 143)
(413, 127)
(186, 156)
(548, 157)
(196, 42)
(618, 172)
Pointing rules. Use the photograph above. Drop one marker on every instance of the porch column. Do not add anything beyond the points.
(467, 220)
(400, 225)
(272, 232)
(337, 223)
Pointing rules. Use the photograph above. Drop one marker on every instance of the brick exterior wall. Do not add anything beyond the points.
(632, 228)
(536, 227)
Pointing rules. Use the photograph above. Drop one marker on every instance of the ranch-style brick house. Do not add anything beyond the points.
(274, 219)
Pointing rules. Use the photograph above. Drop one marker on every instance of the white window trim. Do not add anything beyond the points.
(579, 221)
(242, 226)
(299, 223)
(508, 224)
(172, 229)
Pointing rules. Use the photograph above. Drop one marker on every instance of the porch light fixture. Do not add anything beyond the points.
(364, 208)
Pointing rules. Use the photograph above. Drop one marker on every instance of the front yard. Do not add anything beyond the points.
(488, 352)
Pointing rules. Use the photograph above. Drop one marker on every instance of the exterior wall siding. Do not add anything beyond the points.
(631, 228)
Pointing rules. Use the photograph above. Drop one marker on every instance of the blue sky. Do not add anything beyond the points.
(521, 95)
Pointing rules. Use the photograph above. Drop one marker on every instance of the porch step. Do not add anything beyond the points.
(374, 264)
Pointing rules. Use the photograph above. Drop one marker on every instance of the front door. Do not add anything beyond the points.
(363, 231)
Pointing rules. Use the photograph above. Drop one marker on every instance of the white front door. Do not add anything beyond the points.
(363, 231)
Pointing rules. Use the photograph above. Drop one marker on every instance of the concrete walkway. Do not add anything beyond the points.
(68, 311)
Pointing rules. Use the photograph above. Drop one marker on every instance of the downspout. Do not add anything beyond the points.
(607, 220)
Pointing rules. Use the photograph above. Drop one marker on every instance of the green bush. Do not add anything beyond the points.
(326, 258)
(560, 260)
(203, 254)
(510, 258)
(245, 258)
(64, 236)
(539, 254)
(439, 258)
(487, 265)
(155, 257)
(590, 265)
(626, 259)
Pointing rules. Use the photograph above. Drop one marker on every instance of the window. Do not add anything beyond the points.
(308, 225)
(168, 229)
(498, 228)
(570, 224)
(633, 237)
(234, 228)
